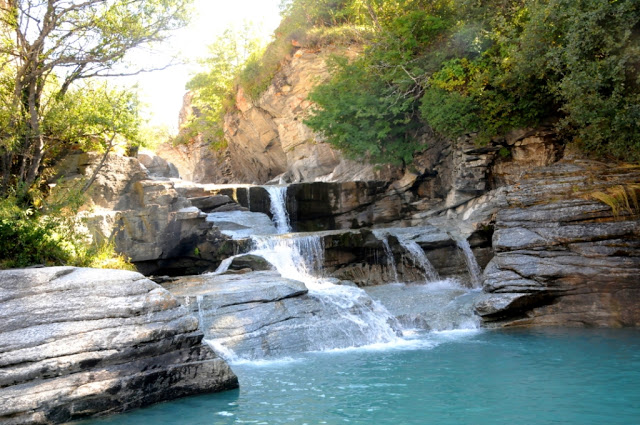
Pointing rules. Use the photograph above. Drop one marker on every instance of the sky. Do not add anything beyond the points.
(163, 90)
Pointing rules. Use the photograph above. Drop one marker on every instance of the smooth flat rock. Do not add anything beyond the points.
(261, 315)
(85, 342)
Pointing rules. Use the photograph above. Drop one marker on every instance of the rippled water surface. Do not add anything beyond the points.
(459, 377)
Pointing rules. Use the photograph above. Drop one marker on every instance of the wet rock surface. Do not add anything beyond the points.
(261, 314)
(83, 342)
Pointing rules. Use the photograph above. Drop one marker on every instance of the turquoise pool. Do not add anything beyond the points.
(557, 376)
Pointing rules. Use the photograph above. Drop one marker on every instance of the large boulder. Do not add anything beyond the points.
(84, 342)
(150, 220)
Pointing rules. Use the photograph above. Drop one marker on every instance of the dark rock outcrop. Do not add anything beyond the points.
(82, 342)
(562, 256)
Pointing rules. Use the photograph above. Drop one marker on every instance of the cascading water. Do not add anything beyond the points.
(419, 258)
(390, 260)
(266, 314)
(278, 198)
(472, 264)
(362, 321)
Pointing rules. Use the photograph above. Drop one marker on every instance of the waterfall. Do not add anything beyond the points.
(278, 198)
(390, 260)
(224, 265)
(362, 321)
(295, 257)
(472, 264)
(419, 258)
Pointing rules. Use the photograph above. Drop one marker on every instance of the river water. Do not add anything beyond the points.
(455, 374)
(553, 376)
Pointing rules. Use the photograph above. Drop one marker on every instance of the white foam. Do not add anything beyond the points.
(281, 361)
(440, 285)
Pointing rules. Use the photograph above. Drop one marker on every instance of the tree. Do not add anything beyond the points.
(48, 45)
(232, 56)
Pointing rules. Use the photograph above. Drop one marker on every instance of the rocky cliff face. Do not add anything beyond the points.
(196, 161)
(149, 218)
(267, 138)
(81, 342)
(562, 257)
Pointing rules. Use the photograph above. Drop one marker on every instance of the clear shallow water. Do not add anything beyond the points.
(558, 376)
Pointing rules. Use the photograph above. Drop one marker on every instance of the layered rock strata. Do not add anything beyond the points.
(80, 342)
(150, 219)
(563, 257)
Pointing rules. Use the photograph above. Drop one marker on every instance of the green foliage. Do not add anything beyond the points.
(27, 237)
(46, 48)
(593, 66)
(487, 68)
(370, 107)
(450, 112)
(232, 53)
(90, 117)
(362, 116)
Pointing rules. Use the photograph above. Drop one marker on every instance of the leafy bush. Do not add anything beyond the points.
(364, 117)
(490, 67)
(28, 237)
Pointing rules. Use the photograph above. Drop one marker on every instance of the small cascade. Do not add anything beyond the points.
(472, 265)
(357, 319)
(419, 258)
(390, 260)
(224, 265)
(278, 198)
(295, 257)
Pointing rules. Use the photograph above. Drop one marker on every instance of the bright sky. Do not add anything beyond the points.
(163, 90)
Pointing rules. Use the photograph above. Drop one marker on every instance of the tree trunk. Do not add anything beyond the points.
(89, 182)
(35, 136)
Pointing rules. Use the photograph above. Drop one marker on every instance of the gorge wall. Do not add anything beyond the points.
(266, 138)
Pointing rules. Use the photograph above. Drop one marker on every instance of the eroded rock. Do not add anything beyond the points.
(563, 257)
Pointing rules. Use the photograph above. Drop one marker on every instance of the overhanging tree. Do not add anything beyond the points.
(47, 45)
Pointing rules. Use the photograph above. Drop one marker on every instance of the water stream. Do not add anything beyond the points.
(420, 259)
(472, 264)
(278, 198)
(301, 257)
(391, 261)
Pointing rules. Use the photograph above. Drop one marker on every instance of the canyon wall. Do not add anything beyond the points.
(267, 139)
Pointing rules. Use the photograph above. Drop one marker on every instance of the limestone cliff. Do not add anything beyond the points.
(267, 138)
